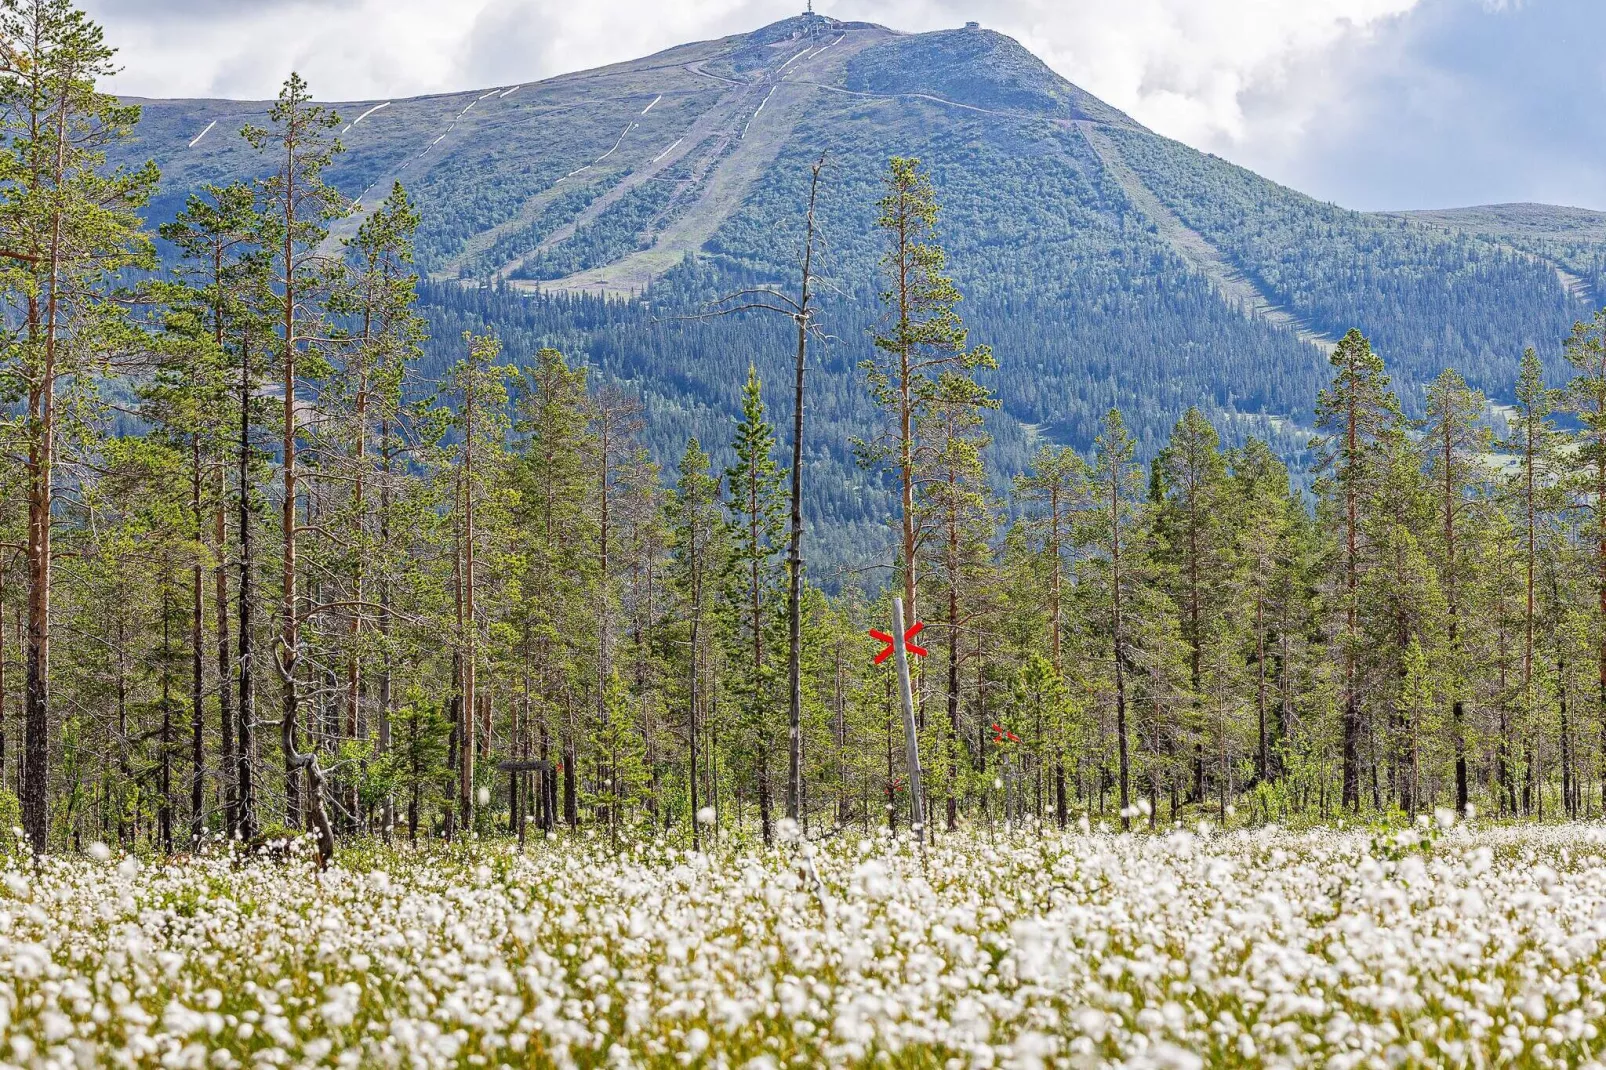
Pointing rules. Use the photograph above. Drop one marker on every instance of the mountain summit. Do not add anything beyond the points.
(1107, 265)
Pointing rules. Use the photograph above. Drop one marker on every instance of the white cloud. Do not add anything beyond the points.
(1188, 68)
(1446, 100)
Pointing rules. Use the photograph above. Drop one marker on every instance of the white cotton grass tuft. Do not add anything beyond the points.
(1016, 947)
(706, 816)
(483, 796)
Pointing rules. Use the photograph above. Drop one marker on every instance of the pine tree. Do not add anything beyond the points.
(1534, 493)
(956, 507)
(68, 226)
(1117, 478)
(296, 204)
(417, 761)
(694, 534)
(925, 359)
(1401, 605)
(1190, 474)
(478, 382)
(1454, 444)
(214, 294)
(1055, 490)
(378, 292)
(645, 608)
(615, 420)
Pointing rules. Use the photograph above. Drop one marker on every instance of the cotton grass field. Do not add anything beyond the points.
(1422, 946)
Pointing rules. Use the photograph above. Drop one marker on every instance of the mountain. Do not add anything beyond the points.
(602, 211)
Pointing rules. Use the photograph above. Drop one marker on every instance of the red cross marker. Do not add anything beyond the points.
(918, 651)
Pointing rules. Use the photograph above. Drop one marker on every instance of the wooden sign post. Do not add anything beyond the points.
(900, 648)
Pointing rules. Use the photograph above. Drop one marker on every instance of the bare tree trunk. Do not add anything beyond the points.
(1120, 652)
(794, 551)
(164, 774)
(289, 654)
(385, 684)
(197, 654)
(1352, 714)
(41, 473)
(245, 826)
(225, 671)
(466, 623)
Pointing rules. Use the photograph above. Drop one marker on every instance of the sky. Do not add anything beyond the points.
(1372, 104)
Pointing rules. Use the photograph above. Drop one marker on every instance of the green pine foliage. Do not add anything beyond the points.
(318, 545)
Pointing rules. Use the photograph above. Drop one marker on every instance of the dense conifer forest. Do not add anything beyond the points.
(295, 538)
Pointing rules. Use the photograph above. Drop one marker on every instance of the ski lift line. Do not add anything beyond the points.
(789, 62)
(670, 149)
(812, 54)
(576, 171)
(616, 144)
(510, 92)
(203, 133)
(365, 115)
(482, 96)
(833, 44)
(649, 107)
(761, 104)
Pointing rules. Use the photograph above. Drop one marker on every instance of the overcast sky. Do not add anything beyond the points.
(1370, 103)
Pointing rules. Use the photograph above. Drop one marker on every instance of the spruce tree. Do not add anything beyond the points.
(1262, 516)
(758, 528)
(1359, 415)
(557, 524)
(1585, 398)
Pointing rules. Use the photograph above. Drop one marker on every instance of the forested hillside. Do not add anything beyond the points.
(1115, 266)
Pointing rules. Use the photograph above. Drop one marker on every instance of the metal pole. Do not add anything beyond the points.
(911, 738)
